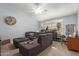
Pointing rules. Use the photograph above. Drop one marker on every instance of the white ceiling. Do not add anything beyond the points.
(53, 10)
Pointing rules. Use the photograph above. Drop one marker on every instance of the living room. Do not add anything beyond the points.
(39, 29)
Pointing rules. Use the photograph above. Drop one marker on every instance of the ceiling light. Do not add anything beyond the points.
(37, 9)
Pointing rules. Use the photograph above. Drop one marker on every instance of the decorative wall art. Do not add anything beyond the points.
(58, 25)
(70, 29)
(10, 20)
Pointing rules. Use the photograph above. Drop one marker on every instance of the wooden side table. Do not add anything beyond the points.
(73, 43)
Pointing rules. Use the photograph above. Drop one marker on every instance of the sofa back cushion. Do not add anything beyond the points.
(45, 40)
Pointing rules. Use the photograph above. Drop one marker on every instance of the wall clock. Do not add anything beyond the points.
(10, 20)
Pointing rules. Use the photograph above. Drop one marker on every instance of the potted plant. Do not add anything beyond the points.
(47, 29)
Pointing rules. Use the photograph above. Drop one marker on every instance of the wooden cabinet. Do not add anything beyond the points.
(73, 43)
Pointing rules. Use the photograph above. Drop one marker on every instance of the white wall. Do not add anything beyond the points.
(78, 22)
(70, 19)
(24, 22)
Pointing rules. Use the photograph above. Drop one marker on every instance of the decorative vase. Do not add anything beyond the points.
(76, 34)
(0, 38)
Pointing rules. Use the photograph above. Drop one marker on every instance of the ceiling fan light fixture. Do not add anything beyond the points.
(38, 10)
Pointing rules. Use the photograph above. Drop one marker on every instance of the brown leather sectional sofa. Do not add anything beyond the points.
(40, 42)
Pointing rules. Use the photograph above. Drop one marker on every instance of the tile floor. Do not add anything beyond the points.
(56, 49)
